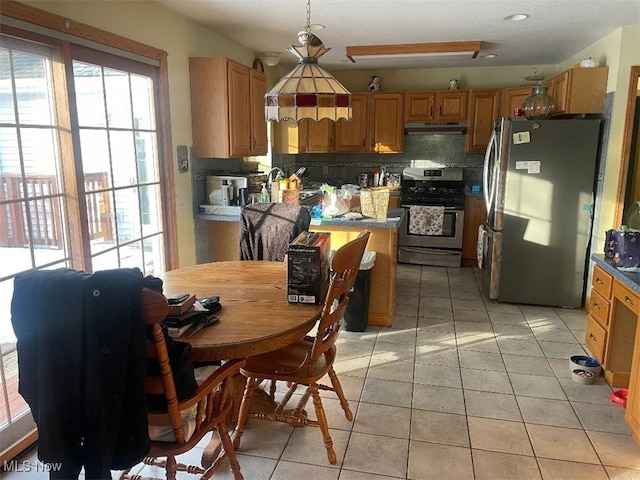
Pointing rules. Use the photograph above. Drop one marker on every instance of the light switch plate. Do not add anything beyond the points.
(183, 159)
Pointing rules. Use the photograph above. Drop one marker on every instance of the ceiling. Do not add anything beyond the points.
(554, 31)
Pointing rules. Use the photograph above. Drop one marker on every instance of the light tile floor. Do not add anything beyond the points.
(459, 388)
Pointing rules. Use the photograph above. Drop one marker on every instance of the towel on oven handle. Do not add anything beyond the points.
(426, 220)
(622, 247)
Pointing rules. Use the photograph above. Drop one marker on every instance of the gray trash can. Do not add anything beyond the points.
(357, 314)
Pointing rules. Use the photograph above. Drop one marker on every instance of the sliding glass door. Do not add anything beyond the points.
(80, 182)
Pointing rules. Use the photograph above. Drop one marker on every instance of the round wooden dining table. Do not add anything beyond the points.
(255, 316)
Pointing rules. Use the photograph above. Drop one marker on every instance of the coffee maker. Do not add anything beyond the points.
(240, 186)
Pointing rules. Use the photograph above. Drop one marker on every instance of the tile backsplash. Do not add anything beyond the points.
(419, 151)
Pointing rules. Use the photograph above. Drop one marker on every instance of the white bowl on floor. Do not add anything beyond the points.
(583, 362)
(584, 377)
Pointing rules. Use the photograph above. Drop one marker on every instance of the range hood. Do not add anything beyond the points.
(435, 128)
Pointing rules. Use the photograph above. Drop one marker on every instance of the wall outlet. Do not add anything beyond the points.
(325, 169)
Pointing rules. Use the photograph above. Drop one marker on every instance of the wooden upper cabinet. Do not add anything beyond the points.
(376, 124)
(451, 105)
(239, 98)
(579, 90)
(320, 135)
(306, 136)
(419, 106)
(513, 98)
(258, 120)
(483, 111)
(385, 121)
(435, 106)
(227, 108)
(351, 136)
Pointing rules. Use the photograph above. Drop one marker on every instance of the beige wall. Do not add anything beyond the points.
(159, 27)
(438, 78)
(619, 51)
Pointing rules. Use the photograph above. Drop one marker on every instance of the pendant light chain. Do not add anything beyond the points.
(308, 29)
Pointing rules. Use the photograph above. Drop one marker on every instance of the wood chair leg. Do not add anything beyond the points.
(171, 467)
(340, 393)
(229, 451)
(322, 423)
(244, 410)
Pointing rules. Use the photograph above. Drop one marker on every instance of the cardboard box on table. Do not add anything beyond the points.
(308, 265)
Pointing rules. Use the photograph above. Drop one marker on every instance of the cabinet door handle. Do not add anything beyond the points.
(595, 305)
(628, 300)
(592, 337)
(599, 281)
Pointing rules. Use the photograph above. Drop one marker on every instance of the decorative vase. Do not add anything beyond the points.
(538, 105)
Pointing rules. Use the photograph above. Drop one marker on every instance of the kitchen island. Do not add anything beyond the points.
(383, 240)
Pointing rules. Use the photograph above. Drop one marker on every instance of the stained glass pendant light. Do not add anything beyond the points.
(308, 91)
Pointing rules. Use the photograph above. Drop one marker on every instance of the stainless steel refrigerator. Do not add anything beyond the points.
(538, 186)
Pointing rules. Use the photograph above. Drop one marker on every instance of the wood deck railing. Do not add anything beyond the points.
(44, 212)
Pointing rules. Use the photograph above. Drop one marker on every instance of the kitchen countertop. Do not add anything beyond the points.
(630, 279)
(394, 216)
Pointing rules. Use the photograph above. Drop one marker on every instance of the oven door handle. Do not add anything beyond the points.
(431, 252)
(446, 209)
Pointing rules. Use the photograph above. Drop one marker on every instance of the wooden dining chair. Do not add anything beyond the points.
(181, 424)
(308, 360)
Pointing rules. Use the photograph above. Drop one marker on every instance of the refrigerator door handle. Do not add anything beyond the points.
(485, 172)
(489, 174)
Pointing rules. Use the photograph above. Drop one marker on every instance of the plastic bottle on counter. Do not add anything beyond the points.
(264, 194)
(225, 193)
(275, 187)
(376, 178)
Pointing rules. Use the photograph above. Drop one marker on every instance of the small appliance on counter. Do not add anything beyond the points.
(228, 193)
(239, 186)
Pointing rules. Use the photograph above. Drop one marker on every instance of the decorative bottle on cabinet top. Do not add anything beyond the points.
(538, 105)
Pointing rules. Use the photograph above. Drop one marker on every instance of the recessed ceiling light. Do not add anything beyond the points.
(316, 26)
(516, 17)
(489, 55)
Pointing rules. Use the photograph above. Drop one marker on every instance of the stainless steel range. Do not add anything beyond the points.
(439, 244)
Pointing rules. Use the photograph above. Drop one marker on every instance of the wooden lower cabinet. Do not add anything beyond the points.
(383, 241)
(595, 338)
(632, 414)
(225, 241)
(613, 337)
(475, 214)
(625, 307)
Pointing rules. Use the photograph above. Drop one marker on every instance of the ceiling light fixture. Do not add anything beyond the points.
(408, 50)
(489, 55)
(516, 17)
(271, 59)
(308, 91)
